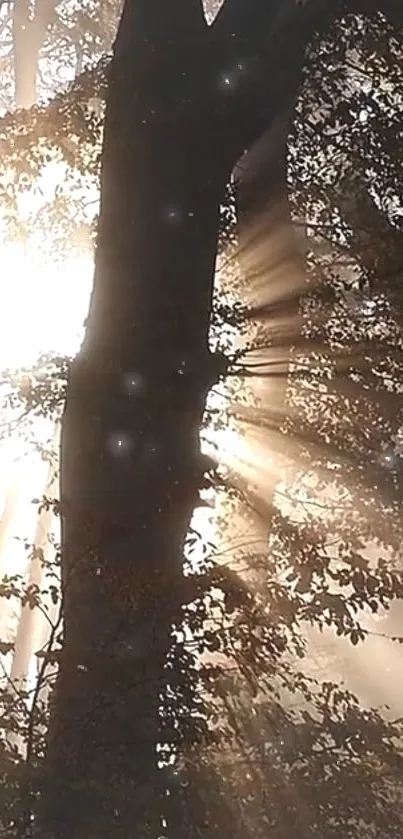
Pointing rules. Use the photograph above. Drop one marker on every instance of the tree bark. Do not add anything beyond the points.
(130, 455)
(30, 27)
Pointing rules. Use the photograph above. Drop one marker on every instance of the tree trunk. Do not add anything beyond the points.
(33, 628)
(8, 514)
(130, 456)
(30, 27)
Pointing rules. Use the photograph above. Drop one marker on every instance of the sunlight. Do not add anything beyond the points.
(42, 306)
(42, 310)
(43, 303)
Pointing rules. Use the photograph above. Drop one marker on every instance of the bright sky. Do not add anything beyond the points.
(43, 304)
(43, 301)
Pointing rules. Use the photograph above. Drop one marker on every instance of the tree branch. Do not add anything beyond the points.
(262, 46)
(250, 22)
(149, 26)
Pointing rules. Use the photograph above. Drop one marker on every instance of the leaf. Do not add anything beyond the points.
(6, 647)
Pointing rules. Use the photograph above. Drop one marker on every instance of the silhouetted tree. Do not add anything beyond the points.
(131, 463)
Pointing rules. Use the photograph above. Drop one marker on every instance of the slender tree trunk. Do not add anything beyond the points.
(8, 515)
(30, 27)
(33, 627)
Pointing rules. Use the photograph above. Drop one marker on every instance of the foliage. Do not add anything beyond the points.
(77, 35)
(252, 743)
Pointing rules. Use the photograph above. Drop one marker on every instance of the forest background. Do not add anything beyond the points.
(279, 699)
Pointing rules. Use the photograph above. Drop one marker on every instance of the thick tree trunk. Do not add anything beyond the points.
(130, 457)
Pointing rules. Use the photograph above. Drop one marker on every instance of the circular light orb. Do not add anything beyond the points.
(133, 384)
(120, 444)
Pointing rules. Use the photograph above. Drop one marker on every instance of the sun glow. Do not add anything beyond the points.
(42, 309)
(42, 306)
